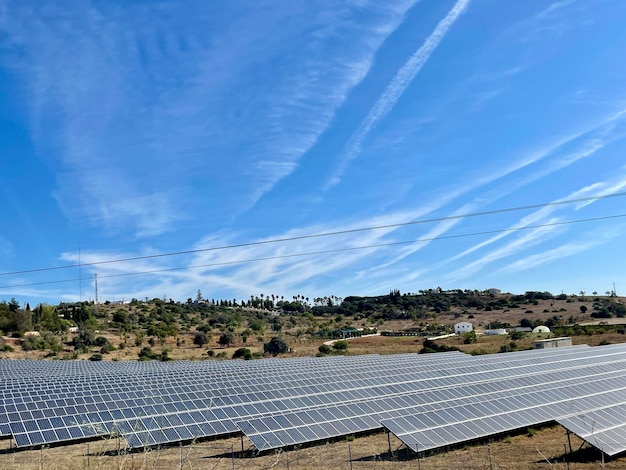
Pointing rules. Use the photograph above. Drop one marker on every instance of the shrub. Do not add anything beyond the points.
(469, 337)
(325, 349)
(147, 354)
(100, 341)
(242, 353)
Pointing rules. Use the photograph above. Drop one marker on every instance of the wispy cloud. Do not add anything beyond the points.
(561, 154)
(394, 90)
(534, 236)
(562, 251)
(142, 108)
(6, 247)
(552, 8)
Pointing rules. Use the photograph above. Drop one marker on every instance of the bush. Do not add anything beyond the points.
(147, 354)
(430, 346)
(325, 349)
(100, 341)
(341, 345)
(469, 337)
(243, 353)
(276, 346)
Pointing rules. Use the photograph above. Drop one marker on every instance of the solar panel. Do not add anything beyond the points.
(278, 402)
(604, 428)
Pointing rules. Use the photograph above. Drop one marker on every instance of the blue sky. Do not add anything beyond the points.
(146, 128)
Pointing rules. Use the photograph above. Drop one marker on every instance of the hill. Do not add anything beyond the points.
(160, 329)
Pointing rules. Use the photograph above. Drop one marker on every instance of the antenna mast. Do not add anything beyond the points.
(96, 278)
(80, 277)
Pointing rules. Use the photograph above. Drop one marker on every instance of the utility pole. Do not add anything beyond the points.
(96, 280)
(80, 277)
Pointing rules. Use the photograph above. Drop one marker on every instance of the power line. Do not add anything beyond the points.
(324, 234)
(321, 252)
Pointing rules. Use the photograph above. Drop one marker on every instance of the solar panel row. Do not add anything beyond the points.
(268, 432)
(87, 398)
(428, 401)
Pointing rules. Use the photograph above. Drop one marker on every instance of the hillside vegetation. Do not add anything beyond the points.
(159, 329)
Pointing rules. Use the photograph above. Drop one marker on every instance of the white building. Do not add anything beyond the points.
(463, 327)
(552, 343)
(495, 331)
(541, 329)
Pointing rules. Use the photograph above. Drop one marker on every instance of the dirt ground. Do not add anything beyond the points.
(548, 448)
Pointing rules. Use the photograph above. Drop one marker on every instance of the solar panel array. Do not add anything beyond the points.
(468, 393)
(155, 403)
(428, 401)
(603, 427)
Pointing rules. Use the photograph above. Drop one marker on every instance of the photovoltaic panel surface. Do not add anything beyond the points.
(430, 400)
(427, 400)
(604, 428)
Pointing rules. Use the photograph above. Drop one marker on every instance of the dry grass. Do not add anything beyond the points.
(544, 450)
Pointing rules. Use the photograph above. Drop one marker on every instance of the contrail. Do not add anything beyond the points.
(396, 87)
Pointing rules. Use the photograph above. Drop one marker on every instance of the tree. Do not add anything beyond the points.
(245, 334)
(526, 323)
(226, 339)
(201, 338)
(276, 346)
(83, 340)
(341, 345)
(583, 309)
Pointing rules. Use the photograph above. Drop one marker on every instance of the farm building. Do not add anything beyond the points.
(463, 327)
(495, 331)
(552, 343)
